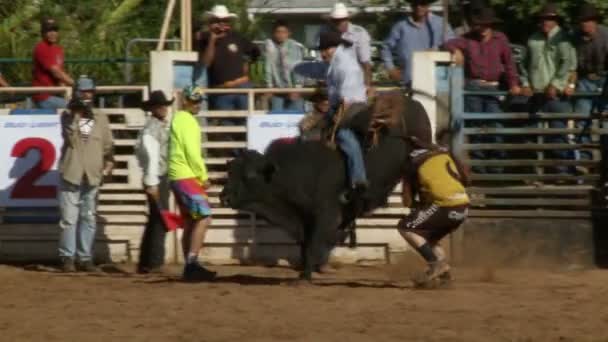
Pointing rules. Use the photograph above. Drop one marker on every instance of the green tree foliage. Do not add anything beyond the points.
(93, 29)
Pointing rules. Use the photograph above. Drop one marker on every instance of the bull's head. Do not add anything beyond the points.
(249, 178)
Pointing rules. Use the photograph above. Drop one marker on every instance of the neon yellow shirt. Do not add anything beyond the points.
(185, 159)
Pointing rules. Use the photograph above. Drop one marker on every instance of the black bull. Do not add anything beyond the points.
(297, 186)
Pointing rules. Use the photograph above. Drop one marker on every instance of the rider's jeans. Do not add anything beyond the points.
(348, 143)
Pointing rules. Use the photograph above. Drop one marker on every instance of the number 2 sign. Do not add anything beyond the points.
(29, 149)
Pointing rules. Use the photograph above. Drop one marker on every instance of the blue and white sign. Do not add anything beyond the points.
(263, 129)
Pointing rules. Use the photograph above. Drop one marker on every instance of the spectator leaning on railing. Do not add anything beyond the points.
(339, 20)
(420, 31)
(281, 55)
(489, 66)
(48, 66)
(224, 53)
(86, 157)
(591, 42)
(549, 66)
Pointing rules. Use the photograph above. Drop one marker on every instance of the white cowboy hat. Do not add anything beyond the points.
(219, 12)
(339, 11)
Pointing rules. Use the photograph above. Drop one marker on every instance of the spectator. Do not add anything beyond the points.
(489, 66)
(550, 61)
(470, 8)
(151, 151)
(189, 181)
(3, 82)
(282, 54)
(48, 66)
(339, 18)
(86, 157)
(223, 52)
(313, 124)
(421, 31)
(591, 41)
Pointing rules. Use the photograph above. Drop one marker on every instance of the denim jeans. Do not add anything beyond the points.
(484, 104)
(558, 106)
(230, 101)
(53, 102)
(584, 105)
(349, 144)
(78, 206)
(282, 102)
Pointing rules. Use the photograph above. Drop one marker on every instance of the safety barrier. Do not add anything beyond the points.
(526, 178)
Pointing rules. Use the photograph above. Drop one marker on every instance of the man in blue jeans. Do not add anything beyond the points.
(591, 42)
(86, 157)
(347, 92)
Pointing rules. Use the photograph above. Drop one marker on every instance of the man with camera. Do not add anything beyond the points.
(86, 158)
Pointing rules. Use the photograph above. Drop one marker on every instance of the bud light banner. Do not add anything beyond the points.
(263, 129)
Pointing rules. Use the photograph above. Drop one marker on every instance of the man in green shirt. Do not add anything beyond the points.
(189, 181)
(546, 78)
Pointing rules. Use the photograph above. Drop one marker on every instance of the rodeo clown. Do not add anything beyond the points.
(438, 182)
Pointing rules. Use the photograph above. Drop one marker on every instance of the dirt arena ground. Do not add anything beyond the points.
(258, 304)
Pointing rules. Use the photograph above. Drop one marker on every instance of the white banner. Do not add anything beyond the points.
(29, 151)
(263, 129)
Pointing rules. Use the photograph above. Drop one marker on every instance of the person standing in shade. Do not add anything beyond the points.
(420, 31)
(189, 181)
(488, 66)
(591, 43)
(48, 66)
(151, 150)
(281, 55)
(86, 157)
(546, 78)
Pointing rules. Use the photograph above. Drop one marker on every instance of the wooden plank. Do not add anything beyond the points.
(528, 131)
(522, 177)
(565, 214)
(533, 202)
(531, 162)
(217, 161)
(525, 146)
(225, 144)
(229, 114)
(224, 129)
(522, 116)
(103, 196)
(533, 190)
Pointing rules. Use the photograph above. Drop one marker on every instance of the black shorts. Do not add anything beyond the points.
(434, 222)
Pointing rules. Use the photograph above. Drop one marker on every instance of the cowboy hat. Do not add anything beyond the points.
(485, 16)
(219, 12)
(549, 10)
(320, 94)
(420, 2)
(157, 98)
(339, 11)
(588, 12)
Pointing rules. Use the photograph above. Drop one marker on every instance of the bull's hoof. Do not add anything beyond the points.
(300, 282)
(423, 282)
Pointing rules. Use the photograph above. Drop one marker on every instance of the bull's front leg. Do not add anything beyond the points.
(306, 252)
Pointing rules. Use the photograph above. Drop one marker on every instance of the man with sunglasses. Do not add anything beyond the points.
(224, 53)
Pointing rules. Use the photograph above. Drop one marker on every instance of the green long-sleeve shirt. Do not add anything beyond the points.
(549, 60)
(185, 159)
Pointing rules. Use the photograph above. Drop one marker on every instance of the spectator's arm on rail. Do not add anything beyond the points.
(3, 82)
(390, 44)
(512, 79)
